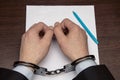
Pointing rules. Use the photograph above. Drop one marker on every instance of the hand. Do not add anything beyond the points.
(35, 43)
(71, 39)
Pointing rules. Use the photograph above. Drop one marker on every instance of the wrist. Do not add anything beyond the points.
(84, 65)
(79, 56)
(31, 66)
(29, 60)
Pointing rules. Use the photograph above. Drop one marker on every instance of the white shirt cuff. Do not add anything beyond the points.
(27, 72)
(84, 65)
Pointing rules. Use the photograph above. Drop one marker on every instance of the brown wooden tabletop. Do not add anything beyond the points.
(12, 26)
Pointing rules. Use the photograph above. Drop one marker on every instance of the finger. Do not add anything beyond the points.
(36, 28)
(48, 35)
(66, 23)
(46, 28)
(58, 31)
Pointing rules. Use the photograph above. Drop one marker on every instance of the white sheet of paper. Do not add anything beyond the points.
(49, 15)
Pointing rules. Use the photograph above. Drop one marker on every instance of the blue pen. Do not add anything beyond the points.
(85, 27)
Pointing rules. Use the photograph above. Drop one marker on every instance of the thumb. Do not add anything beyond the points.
(59, 34)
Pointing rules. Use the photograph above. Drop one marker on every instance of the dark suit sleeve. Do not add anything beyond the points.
(6, 74)
(99, 72)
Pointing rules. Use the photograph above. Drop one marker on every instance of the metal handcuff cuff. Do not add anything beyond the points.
(43, 71)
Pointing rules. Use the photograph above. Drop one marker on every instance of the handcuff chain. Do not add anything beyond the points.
(43, 71)
(67, 68)
(57, 71)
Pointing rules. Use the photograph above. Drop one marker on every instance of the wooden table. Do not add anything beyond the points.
(12, 26)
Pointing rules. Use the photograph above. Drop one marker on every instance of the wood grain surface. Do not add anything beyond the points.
(12, 26)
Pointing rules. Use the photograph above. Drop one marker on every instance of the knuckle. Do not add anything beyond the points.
(66, 19)
(34, 24)
(41, 23)
(29, 33)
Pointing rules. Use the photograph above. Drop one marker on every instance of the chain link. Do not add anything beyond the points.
(57, 71)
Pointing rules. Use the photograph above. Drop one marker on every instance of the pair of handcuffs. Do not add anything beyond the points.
(43, 71)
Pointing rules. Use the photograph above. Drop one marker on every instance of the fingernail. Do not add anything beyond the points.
(56, 23)
(51, 27)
